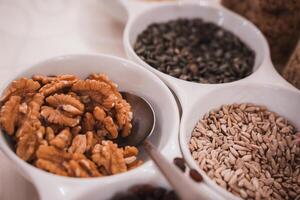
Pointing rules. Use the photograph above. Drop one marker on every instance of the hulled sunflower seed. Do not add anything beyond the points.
(249, 151)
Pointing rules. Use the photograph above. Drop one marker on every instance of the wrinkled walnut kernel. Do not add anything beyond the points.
(28, 127)
(124, 116)
(53, 154)
(88, 122)
(104, 78)
(130, 151)
(55, 86)
(57, 117)
(26, 146)
(90, 167)
(62, 140)
(99, 114)
(49, 134)
(123, 112)
(76, 130)
(47, 79)
(63, 125)
(9, 114)
(108, 155)
(67, 103)
(90, 140)
(79, 144)
(34, 106)
(99, 92)
(20, 87)
(135, 164)
(111, 127)
(51, 167)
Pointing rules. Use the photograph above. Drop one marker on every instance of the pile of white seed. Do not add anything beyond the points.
(249, 151)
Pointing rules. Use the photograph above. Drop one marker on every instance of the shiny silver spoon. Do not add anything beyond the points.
(143, 125)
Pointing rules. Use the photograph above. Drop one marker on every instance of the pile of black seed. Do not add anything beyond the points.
(194, 50)
(146, 192)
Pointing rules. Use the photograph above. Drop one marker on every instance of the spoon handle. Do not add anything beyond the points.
(183, 186)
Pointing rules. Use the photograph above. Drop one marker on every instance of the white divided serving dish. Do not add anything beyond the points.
(264, 86)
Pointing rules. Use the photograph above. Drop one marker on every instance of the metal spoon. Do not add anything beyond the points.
(143, 125)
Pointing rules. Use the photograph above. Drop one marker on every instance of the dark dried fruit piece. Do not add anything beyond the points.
(195, 175)
(145, 191)
(171, 195)
(180, 163)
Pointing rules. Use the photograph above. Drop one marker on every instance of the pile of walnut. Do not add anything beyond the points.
(63, 124)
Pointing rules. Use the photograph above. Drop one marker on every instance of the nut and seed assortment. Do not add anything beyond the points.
(248, 150)
(194, 50)
(65, 125)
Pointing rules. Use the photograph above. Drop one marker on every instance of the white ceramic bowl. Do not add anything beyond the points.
(141, 14)
(264, 86)
(284, 101)
(130, 77)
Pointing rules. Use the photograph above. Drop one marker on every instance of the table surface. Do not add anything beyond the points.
(33, 30)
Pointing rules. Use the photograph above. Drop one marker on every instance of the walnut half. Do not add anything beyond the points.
(57, 117)
(9, 114)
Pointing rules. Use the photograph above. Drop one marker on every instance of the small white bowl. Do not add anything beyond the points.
(130, 77)
(245, 30)
(284, 101)
(141, 14)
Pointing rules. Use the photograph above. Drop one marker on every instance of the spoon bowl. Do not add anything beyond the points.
(143, 121)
